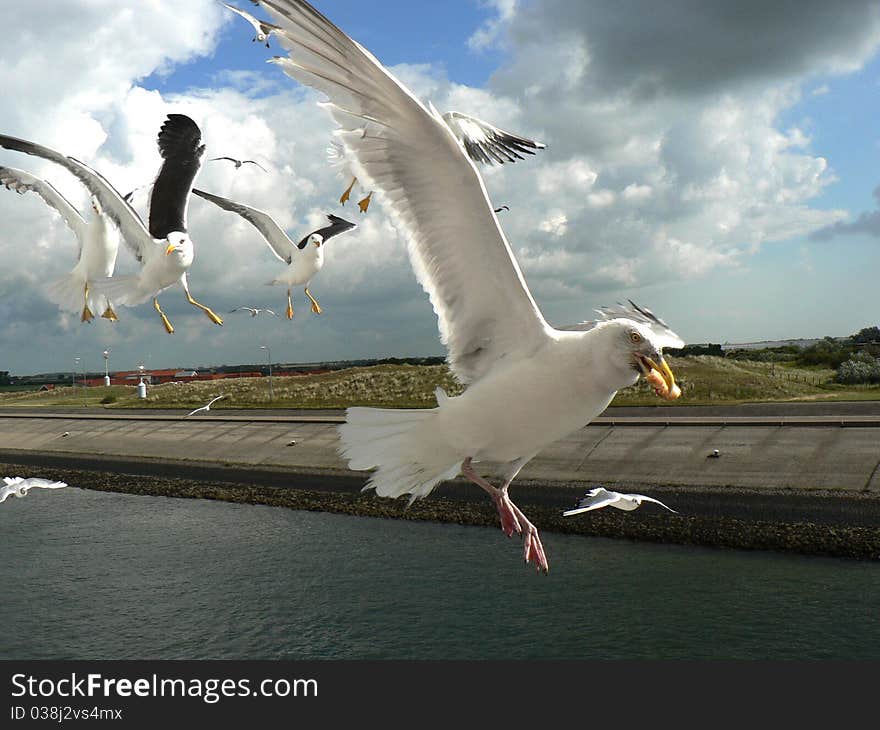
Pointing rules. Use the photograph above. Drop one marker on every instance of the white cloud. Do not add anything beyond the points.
(665, 161)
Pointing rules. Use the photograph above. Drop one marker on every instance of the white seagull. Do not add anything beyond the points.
(601, 497)
(484, 143)
(207, 406)
(165, 250)
(304, 259)
(263, 30)
(98, 246)
(18, 487)
(254, 311)
(529, 384)
(238, 163)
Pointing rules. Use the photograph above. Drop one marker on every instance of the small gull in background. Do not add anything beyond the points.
(263, 30)
(254, 311)
(18, 487)
(304, 259)
(239, 163)
(207, 406)
(601, 497)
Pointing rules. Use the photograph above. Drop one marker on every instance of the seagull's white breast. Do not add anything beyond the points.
(520, 407)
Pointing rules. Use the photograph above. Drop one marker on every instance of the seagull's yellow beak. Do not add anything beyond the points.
(170, 248)
(660, 375)
(317, 244)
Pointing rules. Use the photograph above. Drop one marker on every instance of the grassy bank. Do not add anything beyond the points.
(705, 380)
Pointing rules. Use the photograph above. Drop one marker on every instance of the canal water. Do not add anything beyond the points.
(96, 575)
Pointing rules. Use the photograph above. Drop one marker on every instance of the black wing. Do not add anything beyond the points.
(180, 146)
(337, 225)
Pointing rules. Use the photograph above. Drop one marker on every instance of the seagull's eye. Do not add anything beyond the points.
(635, 338)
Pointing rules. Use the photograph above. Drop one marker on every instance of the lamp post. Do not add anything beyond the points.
(142, 386)
(269, 363)
(73, 374)
(106, 368)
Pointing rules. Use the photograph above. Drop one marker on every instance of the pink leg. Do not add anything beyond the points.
(512, 518)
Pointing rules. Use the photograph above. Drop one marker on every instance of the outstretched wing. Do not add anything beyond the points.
(431, 188)
(277, 239)
(595, 499)
(23, 182)
(488, 144)
(180, 144)
(337, 225)
(133, 230)
(643, 498)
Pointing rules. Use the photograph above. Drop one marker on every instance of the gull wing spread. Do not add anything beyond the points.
(337, 225)
(431, 188)
(20, 487)
(23, 182)
(134, 232)
(486, 143)
(664, 336)
(595, 499)
(180, 145)
(277, 239)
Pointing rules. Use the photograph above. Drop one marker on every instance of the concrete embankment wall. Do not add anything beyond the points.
(787, 455)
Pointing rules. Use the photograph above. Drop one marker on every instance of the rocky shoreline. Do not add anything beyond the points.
(823, 524)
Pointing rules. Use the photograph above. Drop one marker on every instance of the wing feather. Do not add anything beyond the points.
(486, 143)
(272, 233)
(431, 187)
(23, 182)
(114, 206)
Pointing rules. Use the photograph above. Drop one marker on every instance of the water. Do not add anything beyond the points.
(94, 575)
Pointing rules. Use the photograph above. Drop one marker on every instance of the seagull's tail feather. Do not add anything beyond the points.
(68, 292)
(399, 443)
(124, 290)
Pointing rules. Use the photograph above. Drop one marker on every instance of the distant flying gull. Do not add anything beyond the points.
(18, 487)
(304, 259)
(253, 310)
(98, 246)
(165, 249)
(503, 207)
(601, 497)
(238, 163)
(529, 384)
(262, 30)
(206, 407)
(483, 142)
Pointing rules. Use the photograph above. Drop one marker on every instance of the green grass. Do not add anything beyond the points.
(703, 379)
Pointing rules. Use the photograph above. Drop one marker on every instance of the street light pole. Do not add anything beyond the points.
(73, 374)
(269, 363)
(106, 368)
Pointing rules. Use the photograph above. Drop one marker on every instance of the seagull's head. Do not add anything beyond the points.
(646, 357)
(316, 240)
(96, 206)
(179, 244)
(637, 349)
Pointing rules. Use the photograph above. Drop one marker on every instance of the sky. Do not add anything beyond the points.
(716, 162)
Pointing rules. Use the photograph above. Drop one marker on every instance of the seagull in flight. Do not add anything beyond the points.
(262, 29)
(253, 310)
(483, 142)
(18, 487)
(165, 249)
(239, 163)
(206, 407)
(98, 246)
(304, 259)
(601, 497)
(528, 383)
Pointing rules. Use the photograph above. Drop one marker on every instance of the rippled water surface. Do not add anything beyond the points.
(94, 575)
